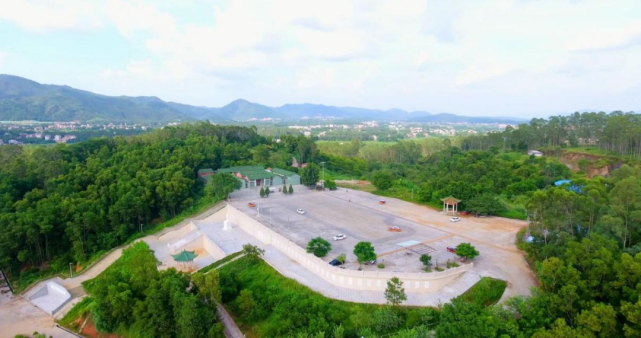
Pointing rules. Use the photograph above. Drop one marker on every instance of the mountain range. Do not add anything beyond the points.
(22, 99)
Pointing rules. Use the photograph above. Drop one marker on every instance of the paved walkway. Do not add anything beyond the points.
(231, 329)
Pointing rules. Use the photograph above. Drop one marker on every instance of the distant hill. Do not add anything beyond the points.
(322, 111)
(451, 118)
(23, 99)
(243, 110)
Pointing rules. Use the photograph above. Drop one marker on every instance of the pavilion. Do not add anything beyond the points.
(450, 202)
(185, 259)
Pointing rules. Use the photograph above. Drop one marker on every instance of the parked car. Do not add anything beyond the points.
(335, 262)
(300, 211)
(451, 249)
(251, 205)
(381, 202)
(339, 237)
(394, 229)
(370, 262)
(454, 219)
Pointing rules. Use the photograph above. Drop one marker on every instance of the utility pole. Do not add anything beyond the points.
(323, 164)
(70, 272)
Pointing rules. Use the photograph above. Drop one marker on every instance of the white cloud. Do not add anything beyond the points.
(50, 15)
(416, 54)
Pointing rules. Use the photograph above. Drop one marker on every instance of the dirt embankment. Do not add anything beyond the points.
(593, 165)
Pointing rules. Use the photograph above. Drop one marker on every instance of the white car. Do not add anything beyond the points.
(339, 237)
(300, 211)
(454, 219)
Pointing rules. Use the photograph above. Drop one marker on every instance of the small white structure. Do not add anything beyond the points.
(227, 225)
(534, 152)
(50, 298)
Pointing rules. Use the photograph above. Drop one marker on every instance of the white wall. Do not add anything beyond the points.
(351, 279)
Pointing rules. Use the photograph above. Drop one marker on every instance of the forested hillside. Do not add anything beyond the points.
(22, 99)
(617, 132)
(61, 204)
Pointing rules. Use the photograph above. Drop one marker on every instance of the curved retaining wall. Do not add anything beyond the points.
(351, 279)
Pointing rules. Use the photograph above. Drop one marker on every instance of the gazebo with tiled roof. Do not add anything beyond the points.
(450, 202)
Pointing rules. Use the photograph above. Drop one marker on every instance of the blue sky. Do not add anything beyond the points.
(496, 57)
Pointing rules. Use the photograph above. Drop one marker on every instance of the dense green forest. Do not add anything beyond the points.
(616, 132)
(64, 203)
(133, 299)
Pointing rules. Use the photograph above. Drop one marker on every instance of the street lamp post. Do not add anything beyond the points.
(70, 272)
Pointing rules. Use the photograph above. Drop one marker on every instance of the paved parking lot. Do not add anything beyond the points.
(360, 216)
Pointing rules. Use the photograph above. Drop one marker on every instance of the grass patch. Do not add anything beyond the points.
(488, 291)
(78, 311)
(220, 262)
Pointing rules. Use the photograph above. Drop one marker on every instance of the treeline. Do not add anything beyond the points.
(63, 203)
(616, 132)
(133, 299)
(585, 241)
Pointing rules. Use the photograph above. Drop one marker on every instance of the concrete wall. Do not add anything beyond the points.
(178, 233)
(50, 298)
(351, 279)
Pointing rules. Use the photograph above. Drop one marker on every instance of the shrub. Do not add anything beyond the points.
(426, 260)
(380, 266)
(364, 252)
(319, 247)
(386, 320)
(466, 251)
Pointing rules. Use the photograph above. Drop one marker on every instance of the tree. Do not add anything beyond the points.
(466, 251)
(208, 286)
(395, 293)
(252, 251)
(426, 260)
(319, 247)
(331, 185)
(364, 252)
(266, 191)
(262, 192)
(247, 304)
(291, 190)
(382, 179)
(485, 204)
(309, 175)
(341, 258)
(221, 185)
(463, 319)
(285, 191)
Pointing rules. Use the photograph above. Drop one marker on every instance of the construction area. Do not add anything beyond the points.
(399, 231)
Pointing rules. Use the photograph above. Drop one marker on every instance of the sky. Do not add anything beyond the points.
(520, 58)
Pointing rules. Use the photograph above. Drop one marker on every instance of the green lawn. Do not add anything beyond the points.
(488, 291)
